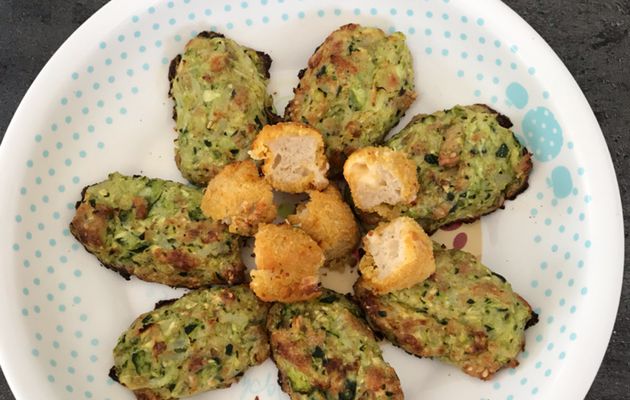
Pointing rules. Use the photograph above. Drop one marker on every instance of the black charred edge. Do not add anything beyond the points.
(282, 380)
(503, 120)
(318, 47)
(501, 277)
(113, 374)
(379, 335)
(301, 73)
(83, 192)
(172, 73)
(210, 35)
(163, 303)
(266, 62)
(172, 69)
(533, 320)
(121, 271)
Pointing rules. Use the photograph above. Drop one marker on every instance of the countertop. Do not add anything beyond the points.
(591, 37)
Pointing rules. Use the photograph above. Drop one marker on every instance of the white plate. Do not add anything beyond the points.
(100, 105)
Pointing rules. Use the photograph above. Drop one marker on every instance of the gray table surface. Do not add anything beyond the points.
(590, 36)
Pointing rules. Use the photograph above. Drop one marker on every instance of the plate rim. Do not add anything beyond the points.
(115, 12)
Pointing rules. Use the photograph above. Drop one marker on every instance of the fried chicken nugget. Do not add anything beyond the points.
(330, 221)
(239, 197)
(293, 154)
(398, 256)
(380, 178)
(287, 264)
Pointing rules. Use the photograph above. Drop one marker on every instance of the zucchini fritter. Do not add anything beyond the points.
(324, 350)
(357, 86)
(464, 314)
(205, 340)
(155, 230)
(469, 162)
(221, 102)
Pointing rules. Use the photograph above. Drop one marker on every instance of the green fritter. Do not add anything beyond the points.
(204, 340)
(221, 102)
(155, 230)
(464, 314)
(357, 86)
(324, 350)
(468, 163)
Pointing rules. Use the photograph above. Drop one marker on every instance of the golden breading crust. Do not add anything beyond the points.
(287, 264)
(379, 178)
(399, 255)
(293, 155)
(239, 197)
(330, 221)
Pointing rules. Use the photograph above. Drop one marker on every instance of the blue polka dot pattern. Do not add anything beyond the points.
(106, 97)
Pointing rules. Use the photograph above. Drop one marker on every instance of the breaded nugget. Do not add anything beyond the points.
(324, 350)
(155, 230)
(330, 221)
(293, 154)
(221, 102)
(239, 197)
(398, 256)
(204, 340)
(287, 264)
(357, 86)
(464, 314)
(379, 178)
(469, 162)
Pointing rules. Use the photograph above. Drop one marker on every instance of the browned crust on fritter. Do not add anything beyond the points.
(289, 109)
(147, 394)
(359, 323)
(512, 193)
(371, 219)
(369, 304)
(336, 158)
(266, 60)
(233, 276)
(172, 72)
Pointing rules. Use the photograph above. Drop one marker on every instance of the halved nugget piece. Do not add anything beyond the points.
(221, 102)
(330, 221)
(239, 197)
(324, 350)
(287, 264)
(357, 86)
(398, 256)
(469, 162)
(379, 178)
(204, 340)
(293, 154)
(464, 314)
(155, 230)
